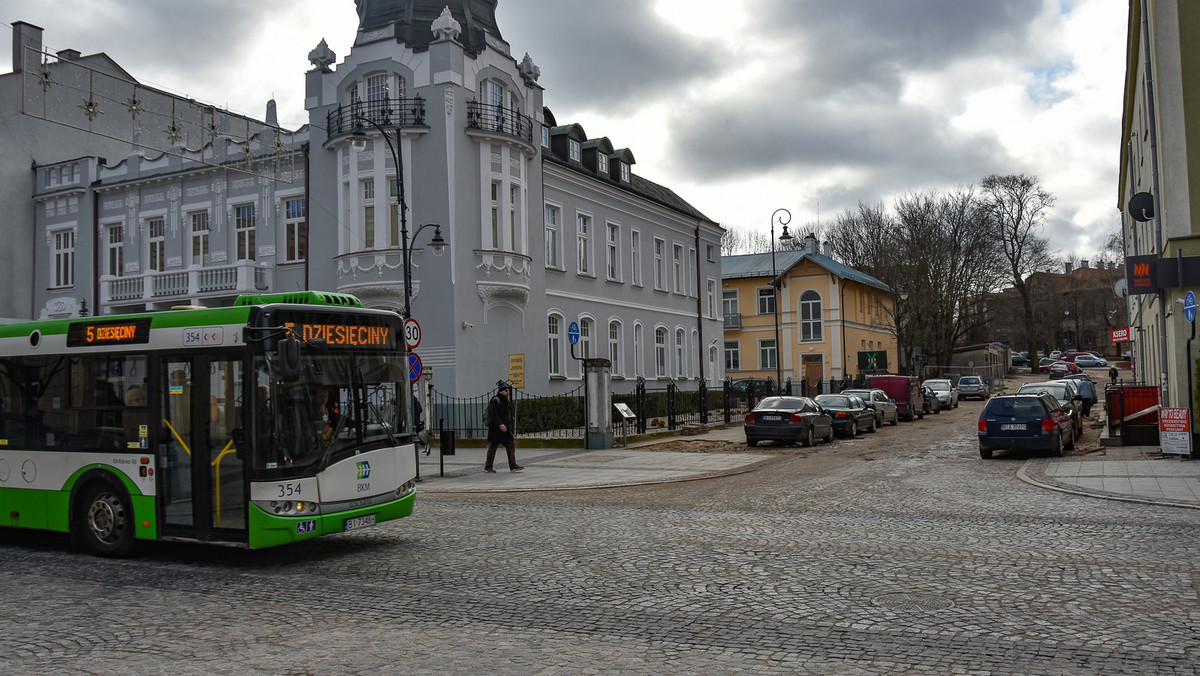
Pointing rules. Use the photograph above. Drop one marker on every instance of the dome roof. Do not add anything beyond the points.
(414, 18)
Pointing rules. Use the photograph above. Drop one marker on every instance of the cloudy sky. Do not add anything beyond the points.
(740, 106)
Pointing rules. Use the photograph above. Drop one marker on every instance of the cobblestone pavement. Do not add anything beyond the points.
(869, 556)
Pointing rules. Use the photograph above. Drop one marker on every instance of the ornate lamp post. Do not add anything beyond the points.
(358, 141)
(784, 217)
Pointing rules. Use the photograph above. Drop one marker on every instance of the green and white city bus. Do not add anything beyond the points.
(281, 418)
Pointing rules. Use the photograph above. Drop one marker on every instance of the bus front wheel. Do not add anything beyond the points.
(104, 520)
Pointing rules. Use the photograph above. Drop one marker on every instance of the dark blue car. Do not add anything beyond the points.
(788, 420)
(1024, 422)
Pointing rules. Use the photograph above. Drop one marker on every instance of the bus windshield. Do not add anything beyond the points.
(342, 404)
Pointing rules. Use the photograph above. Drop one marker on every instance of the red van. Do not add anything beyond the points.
(905, 390)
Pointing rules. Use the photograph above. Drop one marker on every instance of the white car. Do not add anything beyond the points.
(946, 393)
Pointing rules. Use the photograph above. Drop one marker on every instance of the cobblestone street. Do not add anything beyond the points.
(879, 555)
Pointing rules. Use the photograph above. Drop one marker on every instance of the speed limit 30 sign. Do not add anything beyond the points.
(412, 333)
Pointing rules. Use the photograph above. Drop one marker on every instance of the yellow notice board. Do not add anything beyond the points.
(516, 370)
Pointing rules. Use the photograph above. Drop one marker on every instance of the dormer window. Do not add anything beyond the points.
(601, 163)
(574, 150)
(545, 136)
(624, 172)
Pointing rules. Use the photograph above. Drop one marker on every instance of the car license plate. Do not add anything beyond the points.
(360, 522)
(1012, 426)
(772, 418)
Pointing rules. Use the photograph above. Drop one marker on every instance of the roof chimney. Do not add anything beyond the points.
(69, 55)
(810, 243)
(27, 39)
(1083, 264)
(827, 248)
(1068, 266)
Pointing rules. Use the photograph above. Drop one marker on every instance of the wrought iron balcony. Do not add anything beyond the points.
(733, 321)
(492, 118)
(400, 112)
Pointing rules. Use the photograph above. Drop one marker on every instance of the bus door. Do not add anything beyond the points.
(202, 474)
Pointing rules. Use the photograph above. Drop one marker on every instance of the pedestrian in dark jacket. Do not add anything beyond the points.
(1112, 374)
(500, 429)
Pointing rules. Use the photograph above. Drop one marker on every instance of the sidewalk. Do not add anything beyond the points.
(1131, 473)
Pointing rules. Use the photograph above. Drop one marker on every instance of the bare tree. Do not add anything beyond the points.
(1016, 207)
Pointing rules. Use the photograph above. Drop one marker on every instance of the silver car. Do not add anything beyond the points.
(884, 406)
(972, 386)
(944, 389)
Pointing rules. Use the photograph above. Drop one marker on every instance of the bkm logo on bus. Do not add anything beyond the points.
(364, 470)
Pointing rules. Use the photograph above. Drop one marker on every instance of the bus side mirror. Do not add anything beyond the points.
(289, 359)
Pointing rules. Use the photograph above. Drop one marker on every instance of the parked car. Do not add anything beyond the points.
(1056, 354)
(884, 407)
(1024, 421)
(973, 386)
(788, 420)
(947, 394)
(850, 413)
(932, 403)
(1020, 360)
(1062, 368)
(1068, 398)
(1045, 364)
(763, 387)
(1090, 362)
(905, 391)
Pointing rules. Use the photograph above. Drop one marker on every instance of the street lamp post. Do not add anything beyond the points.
(359, 143)
(779, 215)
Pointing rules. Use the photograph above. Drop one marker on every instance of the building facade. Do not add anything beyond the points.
(834, 321)
(547, 229)
(1159, 193)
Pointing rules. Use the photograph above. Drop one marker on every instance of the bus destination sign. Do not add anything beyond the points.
(109, 332)
(346, 335)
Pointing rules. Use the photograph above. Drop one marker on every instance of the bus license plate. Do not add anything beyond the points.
(360, 522)
(1012, 426)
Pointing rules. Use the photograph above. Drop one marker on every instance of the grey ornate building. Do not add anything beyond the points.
(546, 226)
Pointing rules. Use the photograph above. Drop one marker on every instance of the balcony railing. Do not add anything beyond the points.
(157, 286)
(499, 119)
(733, 321)
(401, 112)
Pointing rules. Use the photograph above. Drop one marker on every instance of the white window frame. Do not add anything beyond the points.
(768, 354)
(295, 229)
(200, 237)
(766, 300)
(733, 356)
(635, 257)
(156, 243)
(712, 298)
(601, 162)
(244, 230)
(660, 270)
(114, 235)
(554, 329)
(574, 150)
(585, 339)
(680, 353)
(812, 324)
(661, 367)
(368, 192)
(583, 240)
(624, 172)
(677, 268)
(62, 258)
(613, 251)
(514, 216)
(552, 215)
(730, 300)
(639, 350)
(614, 347)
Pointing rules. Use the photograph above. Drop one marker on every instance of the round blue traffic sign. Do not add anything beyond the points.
(1189, 306)
(573, 332)
(414, 367)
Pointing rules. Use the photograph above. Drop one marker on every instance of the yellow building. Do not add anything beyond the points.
(832, 321)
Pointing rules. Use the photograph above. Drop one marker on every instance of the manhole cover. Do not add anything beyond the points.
(912, 602)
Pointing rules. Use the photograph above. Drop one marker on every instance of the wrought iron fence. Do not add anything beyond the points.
(535, 416)
(665, 405)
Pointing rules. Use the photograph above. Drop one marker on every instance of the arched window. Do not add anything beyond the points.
(660, 352)
(639, 353)
(680, 353)
(585, 339)
(810, 316)
(614, 347)
(554, 344)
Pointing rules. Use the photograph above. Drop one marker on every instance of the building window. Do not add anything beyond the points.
(297, 229)
(680, 353)
(614, 346)
(614, 263)
(554, 344)
(639, 351)
(368, 213)
(766, 301)
(393, 207)
(708, 253)
(573, 146)
(552, 218)
(810, 316)
(729, 303)
(158, 244)
(733, 356)
(602, 163)
(624, 172)
(200, 234)
(514, 216)
(712, 299)
(677, 267)
(495, 214)
(64, 258)
(583, 227)
(545, 136)
(243, 223)
(635, 257)
(767, 354)
(660, 269)
(492, 94)
(116, 251)
(660, 352)
(585, 339)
